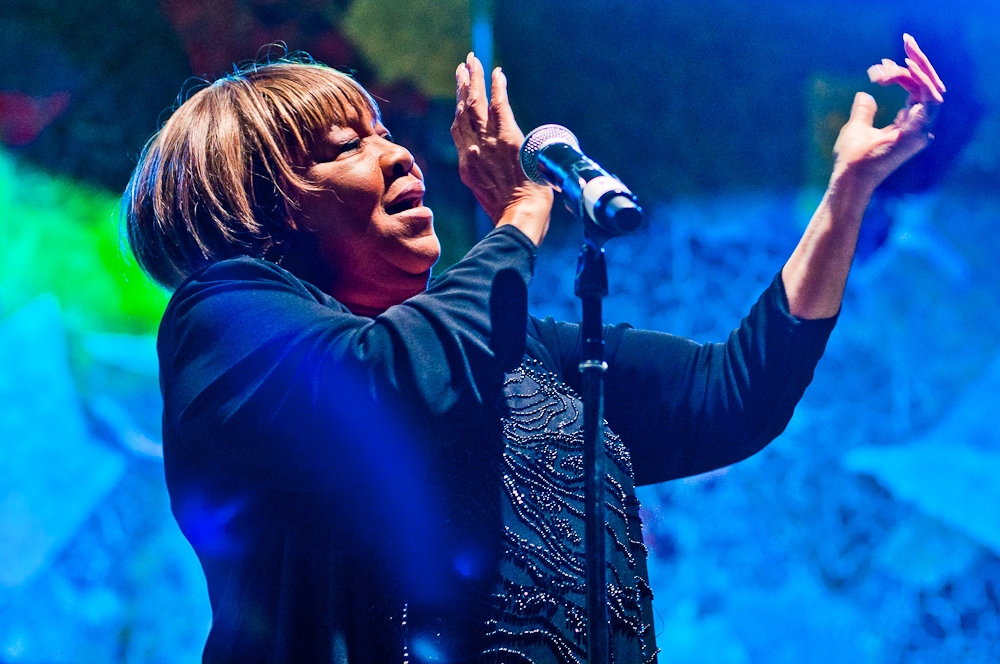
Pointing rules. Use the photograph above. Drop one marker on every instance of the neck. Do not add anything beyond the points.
(370, 297)
(368, 294)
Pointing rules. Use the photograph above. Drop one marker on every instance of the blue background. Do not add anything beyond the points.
(868, 532)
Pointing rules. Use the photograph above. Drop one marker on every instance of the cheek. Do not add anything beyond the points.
(350, 196)
(336, 219)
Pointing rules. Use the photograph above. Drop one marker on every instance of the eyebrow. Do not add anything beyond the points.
(336, 131)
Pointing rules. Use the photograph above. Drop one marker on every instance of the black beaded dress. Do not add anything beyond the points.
(408, 489)
(541, 598)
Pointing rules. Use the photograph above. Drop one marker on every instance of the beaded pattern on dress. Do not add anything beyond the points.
(540, 604)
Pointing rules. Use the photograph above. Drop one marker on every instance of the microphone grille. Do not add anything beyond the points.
(537, 139)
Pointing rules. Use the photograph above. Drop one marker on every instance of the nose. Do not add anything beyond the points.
(396, 161)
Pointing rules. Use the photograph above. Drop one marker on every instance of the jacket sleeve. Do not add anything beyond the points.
(268, 381)
(684, 408)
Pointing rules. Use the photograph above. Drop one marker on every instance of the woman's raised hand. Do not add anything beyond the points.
(488, 140)
(816, 273)
(871, 154)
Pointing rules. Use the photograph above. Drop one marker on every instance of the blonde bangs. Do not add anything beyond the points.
(309, 98)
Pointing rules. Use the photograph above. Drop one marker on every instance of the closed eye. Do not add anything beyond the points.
(330, 151)
(351, 145)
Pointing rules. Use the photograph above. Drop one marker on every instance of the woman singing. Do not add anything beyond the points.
(373, 466)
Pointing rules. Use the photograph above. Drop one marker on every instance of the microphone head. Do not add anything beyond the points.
(538, 138)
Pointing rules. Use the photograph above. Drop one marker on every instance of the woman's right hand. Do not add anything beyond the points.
(488, 141)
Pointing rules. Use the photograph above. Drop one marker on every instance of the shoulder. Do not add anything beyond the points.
(247, 298)
(240, 281)
(246, 272)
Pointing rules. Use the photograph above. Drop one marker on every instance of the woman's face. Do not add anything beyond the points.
(374, 234)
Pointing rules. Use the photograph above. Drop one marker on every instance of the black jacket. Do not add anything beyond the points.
(402, 488)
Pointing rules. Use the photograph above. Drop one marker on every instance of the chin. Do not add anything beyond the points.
(421, 255)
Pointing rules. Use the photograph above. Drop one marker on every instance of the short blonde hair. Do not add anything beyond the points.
(222, 176)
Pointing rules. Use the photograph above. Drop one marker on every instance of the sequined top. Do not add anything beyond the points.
(407, 488)
(540, 601)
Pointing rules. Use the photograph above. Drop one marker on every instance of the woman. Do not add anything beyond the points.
(374, 469)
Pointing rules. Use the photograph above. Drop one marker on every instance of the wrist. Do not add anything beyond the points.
(849, 192)
(529, 213)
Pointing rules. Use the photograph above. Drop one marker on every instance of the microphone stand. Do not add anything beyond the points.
(550, 155)
(591, 287)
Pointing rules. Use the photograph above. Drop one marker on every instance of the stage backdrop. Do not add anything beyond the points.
(868, 532)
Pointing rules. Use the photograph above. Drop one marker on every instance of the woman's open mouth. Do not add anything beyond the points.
(404, 205)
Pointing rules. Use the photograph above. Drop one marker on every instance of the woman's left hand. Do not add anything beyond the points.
(488, 141)
(816, 273)
(870, 155)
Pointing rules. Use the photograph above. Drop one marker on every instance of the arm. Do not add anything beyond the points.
(816, 273)
(267, 381)
(684, 408)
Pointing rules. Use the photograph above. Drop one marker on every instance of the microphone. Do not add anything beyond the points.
(550, 155)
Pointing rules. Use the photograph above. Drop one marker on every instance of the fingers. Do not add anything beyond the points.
(473, 115)
(471, 109)
(918, 78)
(912, 50)
(461, 88)
(500, 110)
(929, 90)
(915, 119)
(864, 108)
(462, 128)
(461, 82)
(478, 106)
(889, 73)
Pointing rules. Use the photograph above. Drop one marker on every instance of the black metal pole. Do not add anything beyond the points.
(591, 287)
